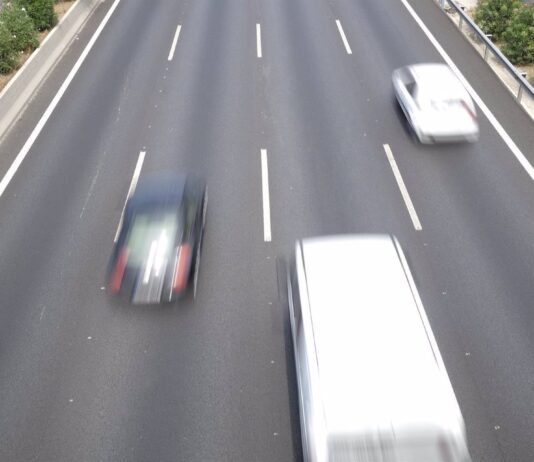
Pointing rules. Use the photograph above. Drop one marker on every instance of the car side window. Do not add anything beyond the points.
(411, 87)
(190, 211)
(295, 297)
(408, 81)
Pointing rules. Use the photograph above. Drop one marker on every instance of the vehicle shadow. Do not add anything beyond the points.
(294, 419)
(123, 306)
(407, 128)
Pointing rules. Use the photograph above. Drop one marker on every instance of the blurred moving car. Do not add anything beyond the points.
(371, 381)
(435, 103)
(158, 247)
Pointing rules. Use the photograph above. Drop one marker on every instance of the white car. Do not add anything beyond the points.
(436, 105)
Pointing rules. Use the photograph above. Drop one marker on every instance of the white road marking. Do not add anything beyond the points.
(345, 41)
(258, 40)
(265, 193)
(489, 115)
(90, 193)
(48, 112)
(403, 190)
(133, 184)
(174, 42)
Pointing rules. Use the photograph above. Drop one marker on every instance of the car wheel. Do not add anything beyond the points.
(196, 269)
(411, 131)
(204, 209)
(199, 245)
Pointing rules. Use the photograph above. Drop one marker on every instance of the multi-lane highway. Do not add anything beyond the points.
(233, 90)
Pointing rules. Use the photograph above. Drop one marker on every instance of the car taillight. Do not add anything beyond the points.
(118, 272)
(180, 272)
(469, 111)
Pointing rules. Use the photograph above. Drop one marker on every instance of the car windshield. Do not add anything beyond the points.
(152, 235)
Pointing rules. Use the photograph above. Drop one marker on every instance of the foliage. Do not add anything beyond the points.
(42, 13)
(493, 16)
(518, 37)
(7, 51)
(20, 26)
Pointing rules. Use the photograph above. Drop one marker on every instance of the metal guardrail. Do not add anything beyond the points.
(523, 84)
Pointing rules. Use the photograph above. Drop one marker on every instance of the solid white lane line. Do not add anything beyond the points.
(345, 42)
(174, 42)
(403, 190)
(131, 189)
(265, 193)
(48, 112)
(258, 40)
(492, 119)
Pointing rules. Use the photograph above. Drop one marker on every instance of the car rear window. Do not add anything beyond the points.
(149, 229)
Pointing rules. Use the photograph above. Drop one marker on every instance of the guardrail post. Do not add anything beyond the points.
(486, 47)
(461, 18)
(520, 91)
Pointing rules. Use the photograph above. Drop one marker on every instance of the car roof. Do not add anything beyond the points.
(377, 369)
(159, 189)
(437, 79)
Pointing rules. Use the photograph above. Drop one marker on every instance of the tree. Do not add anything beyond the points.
(493, 16)
(7, 51)
(20, 26)
(518, 37)
(42, 13)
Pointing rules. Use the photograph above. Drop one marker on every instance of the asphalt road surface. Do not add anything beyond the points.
(87, 378)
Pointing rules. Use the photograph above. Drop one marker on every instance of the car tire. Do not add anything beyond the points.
(196, 268)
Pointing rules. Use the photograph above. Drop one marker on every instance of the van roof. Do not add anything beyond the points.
(378, 369)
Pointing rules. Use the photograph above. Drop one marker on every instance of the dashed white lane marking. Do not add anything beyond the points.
(174, 42)
(343, 37)
(89, 194)
(258, 40)
(489, 115)
(403, 190)
(48, 112)
(265, 194)
(133, 184)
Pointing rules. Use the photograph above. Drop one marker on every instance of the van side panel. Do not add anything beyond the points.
(372, 383)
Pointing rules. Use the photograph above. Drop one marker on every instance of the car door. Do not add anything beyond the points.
(406, 89)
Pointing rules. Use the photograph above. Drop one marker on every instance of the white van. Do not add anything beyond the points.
(372, 384)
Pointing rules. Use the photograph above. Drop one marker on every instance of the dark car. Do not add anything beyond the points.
(157, 252)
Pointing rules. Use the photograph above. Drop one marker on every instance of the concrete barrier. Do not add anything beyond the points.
(17, 94)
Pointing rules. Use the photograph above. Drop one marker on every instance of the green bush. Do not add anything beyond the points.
(518, 37)
(7, 51)
(20, 25)
(493, 16)
(42, 13)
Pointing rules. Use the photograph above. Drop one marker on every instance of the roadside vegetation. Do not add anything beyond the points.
(23, 25)
(511, 24)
